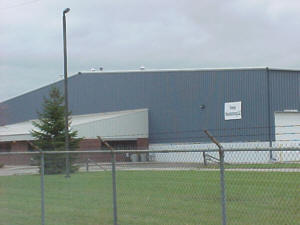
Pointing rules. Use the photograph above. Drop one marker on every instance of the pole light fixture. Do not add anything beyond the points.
(66, 10)
(66, 94)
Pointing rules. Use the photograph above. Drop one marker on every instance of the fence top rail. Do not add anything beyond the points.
(153, 151)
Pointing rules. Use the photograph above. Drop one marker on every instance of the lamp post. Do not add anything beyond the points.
(66, 94)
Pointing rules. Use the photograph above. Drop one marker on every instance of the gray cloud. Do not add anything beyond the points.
(158, 34)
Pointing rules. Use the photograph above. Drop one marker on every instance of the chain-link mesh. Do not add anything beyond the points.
(83, 198)
(179, 185)
(20, 192)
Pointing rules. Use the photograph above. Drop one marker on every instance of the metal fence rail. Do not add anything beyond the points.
(173, 186)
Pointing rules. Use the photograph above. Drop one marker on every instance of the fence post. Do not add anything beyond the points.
(67, 165)
(113, 159)
(87, 165)
(113, 168)
(204, 159)
(222, 177)
(42, 168)
(223, 194)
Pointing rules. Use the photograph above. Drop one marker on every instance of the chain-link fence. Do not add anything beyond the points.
(163, 186)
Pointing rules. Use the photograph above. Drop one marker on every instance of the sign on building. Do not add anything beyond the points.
(233, 110)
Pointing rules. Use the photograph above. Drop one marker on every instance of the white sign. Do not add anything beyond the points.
(233, 110)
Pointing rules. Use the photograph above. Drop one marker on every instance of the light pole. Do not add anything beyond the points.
(66, 94)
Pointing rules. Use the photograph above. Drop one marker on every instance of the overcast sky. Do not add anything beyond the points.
(159, 34)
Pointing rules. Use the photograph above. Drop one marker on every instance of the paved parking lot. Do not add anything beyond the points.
(18, 170)
(154, 166)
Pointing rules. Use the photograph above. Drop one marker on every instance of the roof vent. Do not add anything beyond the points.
(142, 68)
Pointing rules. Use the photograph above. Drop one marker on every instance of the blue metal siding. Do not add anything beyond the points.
(285, 86)
(285, 92)
(173, 99)
(25, 107)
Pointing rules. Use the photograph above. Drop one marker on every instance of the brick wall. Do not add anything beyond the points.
(17, 146)
(95, 144)
(86, 144)
(142, 143)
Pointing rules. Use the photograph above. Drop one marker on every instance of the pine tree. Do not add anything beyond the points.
(50, 133)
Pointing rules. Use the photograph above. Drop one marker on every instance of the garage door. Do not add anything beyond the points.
(287, 133)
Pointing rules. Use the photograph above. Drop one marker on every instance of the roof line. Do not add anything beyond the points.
(145, 71)
(284, 69)
(186, 69)
(38, 88)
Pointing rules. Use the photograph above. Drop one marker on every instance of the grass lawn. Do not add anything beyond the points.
(152, 197)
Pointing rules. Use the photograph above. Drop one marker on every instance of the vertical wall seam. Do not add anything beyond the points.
(269, 108)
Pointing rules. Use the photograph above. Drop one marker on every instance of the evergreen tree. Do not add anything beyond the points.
(50, 133)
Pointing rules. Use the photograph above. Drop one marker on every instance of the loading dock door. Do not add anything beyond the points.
(287, 134)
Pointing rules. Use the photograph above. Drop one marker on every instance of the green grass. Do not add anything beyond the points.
(152, 197)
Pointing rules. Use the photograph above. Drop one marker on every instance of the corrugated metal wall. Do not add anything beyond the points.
(174, 98)
(285, 93)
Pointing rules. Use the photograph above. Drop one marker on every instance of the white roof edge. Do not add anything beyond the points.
(17, 137)
(114, 113)
(117, 113)
(16, 132)
(187, 69)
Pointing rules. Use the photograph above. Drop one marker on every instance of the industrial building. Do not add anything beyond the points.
(237, 105)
